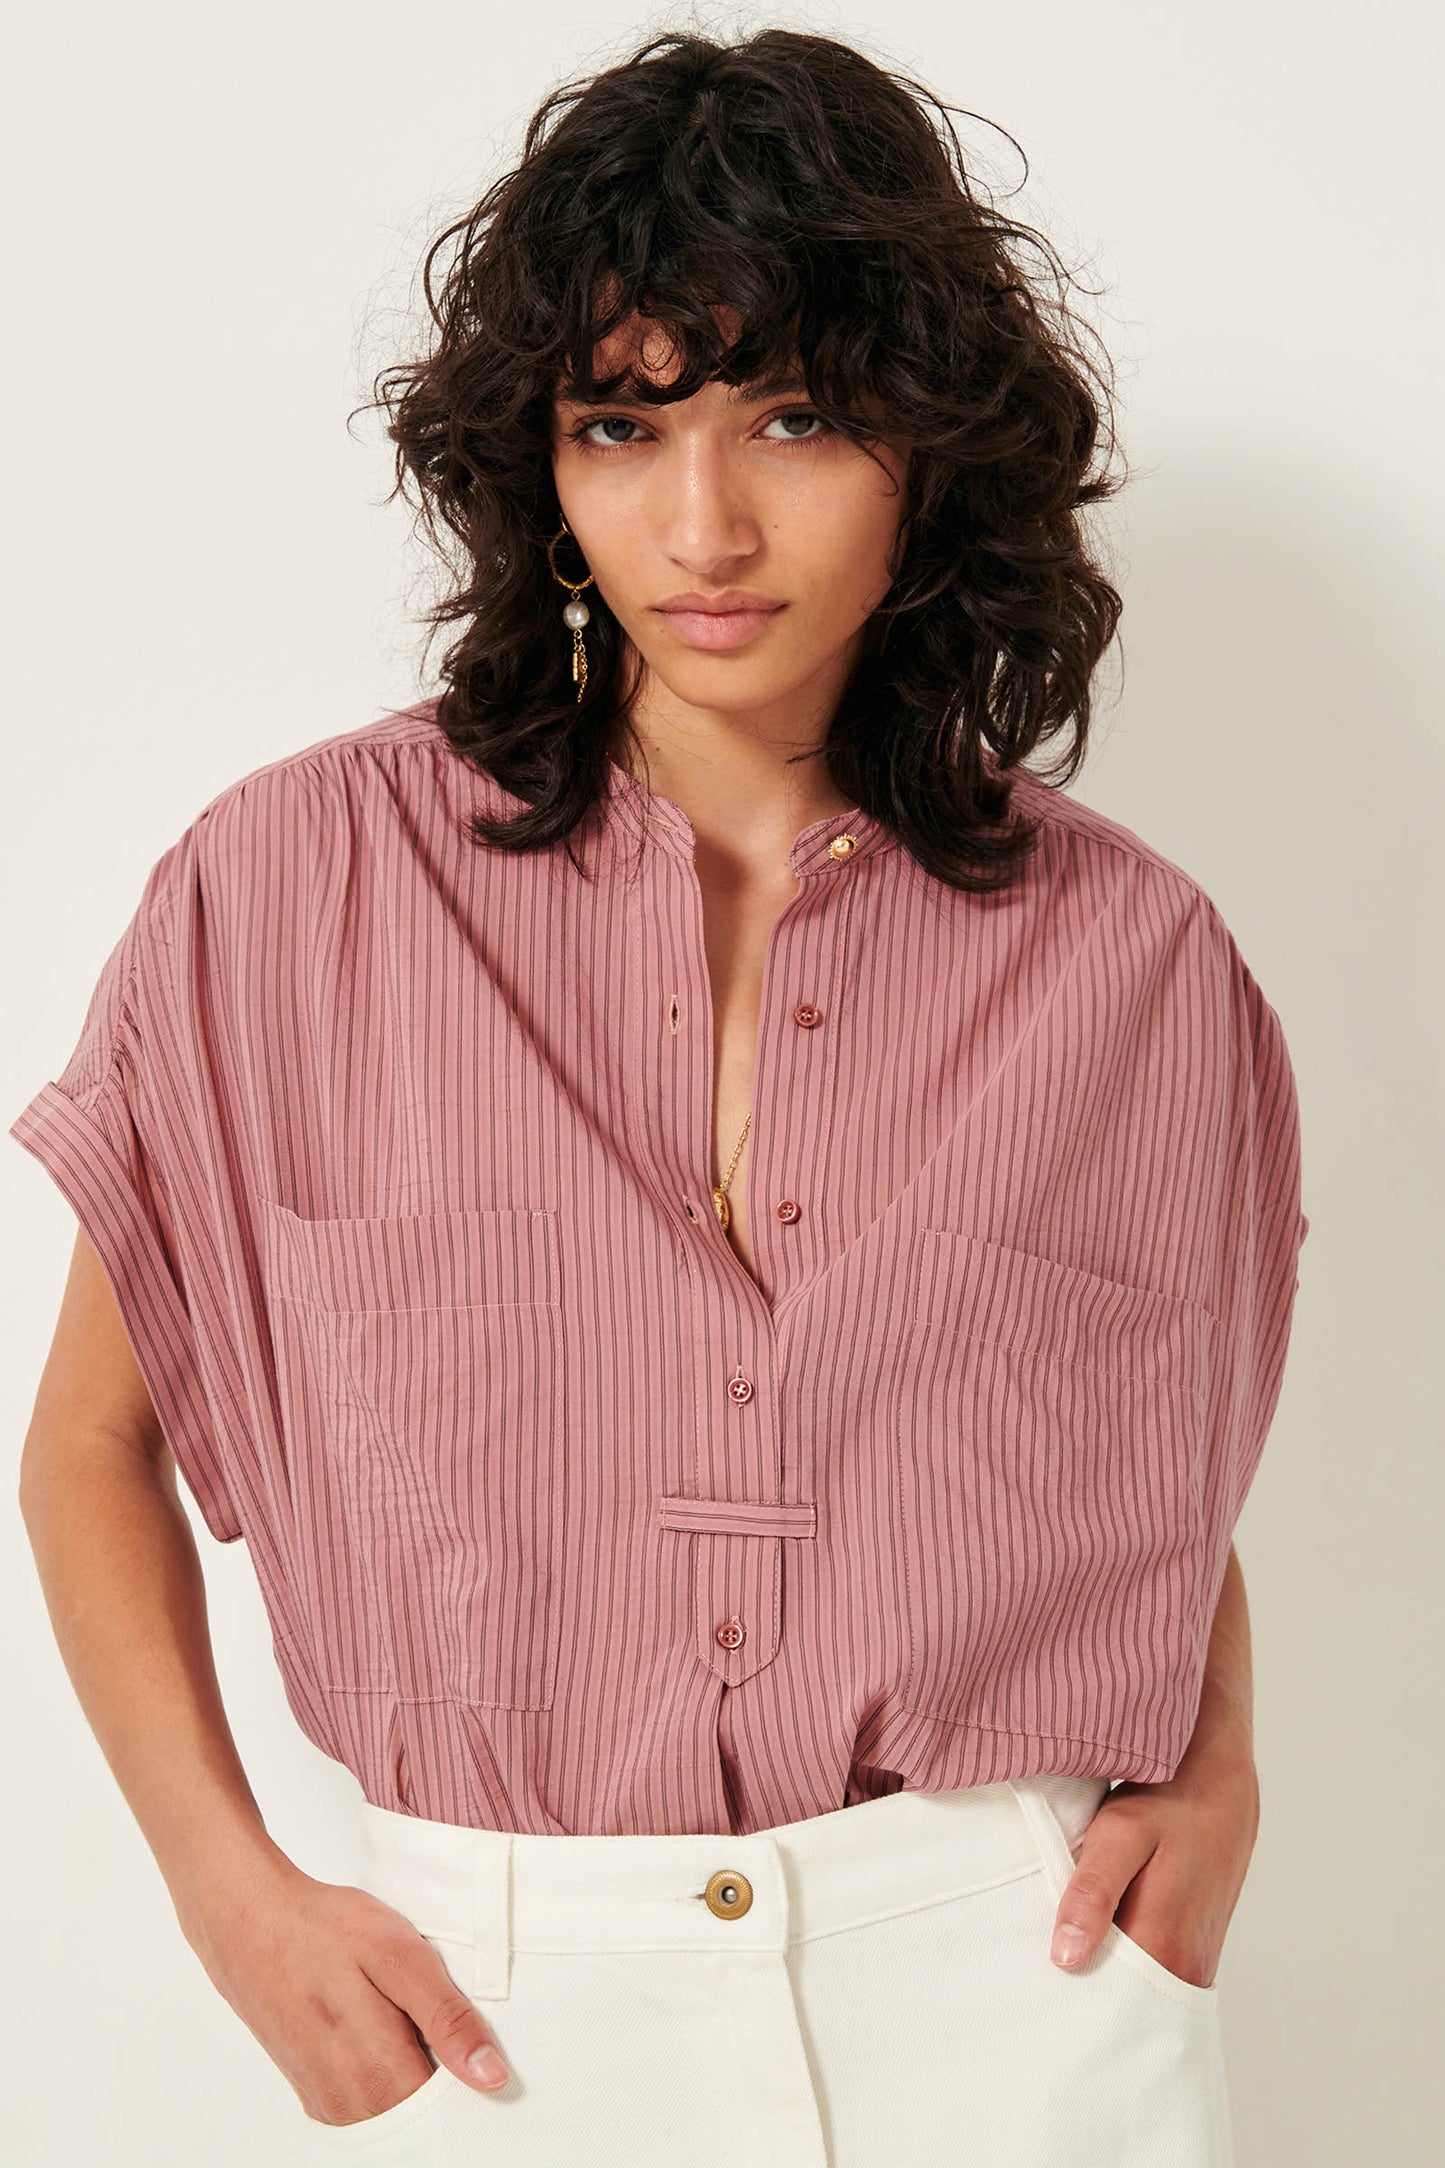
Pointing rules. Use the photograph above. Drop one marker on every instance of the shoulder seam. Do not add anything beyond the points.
(1067, 813)
(396, 726)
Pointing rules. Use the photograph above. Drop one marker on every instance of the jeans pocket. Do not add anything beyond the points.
(1156, 1974)
(1056, 1849)
(396, 2121)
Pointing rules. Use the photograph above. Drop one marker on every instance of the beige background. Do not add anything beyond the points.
(213, 218)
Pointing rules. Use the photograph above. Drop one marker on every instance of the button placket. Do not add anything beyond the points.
(740, 1565)
(739, 1568)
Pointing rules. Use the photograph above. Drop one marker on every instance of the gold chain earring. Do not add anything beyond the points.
(576, 613)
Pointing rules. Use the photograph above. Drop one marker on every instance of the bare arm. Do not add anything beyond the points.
(1224, 1728)
(122, 1581)
(1177, 1853)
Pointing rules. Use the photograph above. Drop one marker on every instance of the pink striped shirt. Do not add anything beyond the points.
(398, 1155)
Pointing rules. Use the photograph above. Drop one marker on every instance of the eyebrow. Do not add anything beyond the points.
(772, 387)
(786, 383)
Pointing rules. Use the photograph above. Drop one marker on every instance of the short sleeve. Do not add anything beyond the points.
(108, 1130)
(1261, 1229)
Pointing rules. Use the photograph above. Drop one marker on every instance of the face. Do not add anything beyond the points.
(740, 542)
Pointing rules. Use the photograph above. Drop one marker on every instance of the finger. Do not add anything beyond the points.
(412, 1973)
(1108, 1862)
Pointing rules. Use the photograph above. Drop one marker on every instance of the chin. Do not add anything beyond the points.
(736, 680)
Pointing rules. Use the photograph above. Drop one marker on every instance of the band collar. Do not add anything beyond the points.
(651, 817)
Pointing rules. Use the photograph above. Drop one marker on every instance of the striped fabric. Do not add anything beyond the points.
(398, 1156)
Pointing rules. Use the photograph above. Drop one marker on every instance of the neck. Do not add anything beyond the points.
(745, 790)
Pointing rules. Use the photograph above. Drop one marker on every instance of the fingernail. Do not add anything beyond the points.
(487, 2064)
(1068, 1945)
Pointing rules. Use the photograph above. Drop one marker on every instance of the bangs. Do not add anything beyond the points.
(761, 347)
(727, 255)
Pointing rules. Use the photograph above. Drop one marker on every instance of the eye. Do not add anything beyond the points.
(801, 414)
(581, 434)
(581, 431)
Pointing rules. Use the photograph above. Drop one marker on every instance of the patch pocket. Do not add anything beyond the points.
(1049, 1484)
(419, 1362)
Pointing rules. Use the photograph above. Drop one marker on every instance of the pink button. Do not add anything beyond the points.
(789, 1210)
(739, 1387)
(807, 1015)
(732, 1633)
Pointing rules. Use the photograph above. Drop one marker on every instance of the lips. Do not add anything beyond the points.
(727, 599)
(717, 628)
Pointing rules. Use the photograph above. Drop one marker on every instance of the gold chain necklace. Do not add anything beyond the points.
(720, 1193)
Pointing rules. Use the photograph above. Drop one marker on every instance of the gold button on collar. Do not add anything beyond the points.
(728, 1894)
(842, 845)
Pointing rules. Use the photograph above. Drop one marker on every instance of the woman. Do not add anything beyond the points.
(728, 1249)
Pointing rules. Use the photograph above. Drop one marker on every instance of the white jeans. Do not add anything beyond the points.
(856, 1989)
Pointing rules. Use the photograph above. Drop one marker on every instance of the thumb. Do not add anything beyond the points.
(1109, 1859)
(451, 2024)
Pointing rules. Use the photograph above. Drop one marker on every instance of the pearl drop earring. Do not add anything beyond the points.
(576, 614)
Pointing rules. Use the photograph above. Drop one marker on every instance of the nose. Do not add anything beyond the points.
(705, 515)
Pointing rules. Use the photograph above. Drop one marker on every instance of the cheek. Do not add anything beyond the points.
(593, 518)
(857, 530)
(854, 575)
(617, 585)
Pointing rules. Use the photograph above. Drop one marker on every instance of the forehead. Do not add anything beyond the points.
(640, 343)
(648, 348)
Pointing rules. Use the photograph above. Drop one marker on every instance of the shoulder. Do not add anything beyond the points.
(1082, 832)
(1081, 847)
(1164, 934)
(341, 768)
(322, 805)
(1192, 945)
(285, 850)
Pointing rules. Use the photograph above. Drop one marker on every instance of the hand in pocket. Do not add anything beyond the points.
(349, 2000)
(1168, 1860)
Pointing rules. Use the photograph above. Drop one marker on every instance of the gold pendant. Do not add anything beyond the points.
(720, 1204)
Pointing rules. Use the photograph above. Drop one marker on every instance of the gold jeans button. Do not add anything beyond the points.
(728, 1894)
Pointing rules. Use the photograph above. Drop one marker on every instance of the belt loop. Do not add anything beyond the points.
(491, 1913)
(1052, 1805)
(1046, 1830)
(789, 1925)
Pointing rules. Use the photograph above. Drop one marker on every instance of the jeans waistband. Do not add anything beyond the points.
(481, 1894)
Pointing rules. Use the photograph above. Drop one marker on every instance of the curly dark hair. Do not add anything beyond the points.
(806, 189)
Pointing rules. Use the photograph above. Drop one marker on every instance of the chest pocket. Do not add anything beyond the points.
(1049, 1472)
(419, 1366)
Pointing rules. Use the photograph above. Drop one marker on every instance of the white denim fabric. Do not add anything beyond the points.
(886, 1995)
